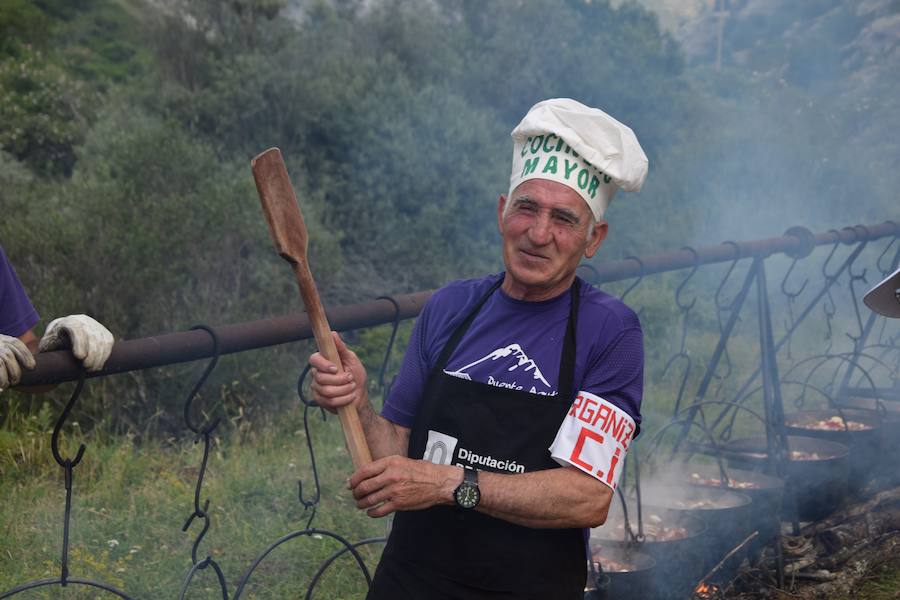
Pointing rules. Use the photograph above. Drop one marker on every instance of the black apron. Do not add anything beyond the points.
(446, 552)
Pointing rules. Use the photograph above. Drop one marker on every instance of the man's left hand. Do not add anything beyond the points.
(398, 483)
(90, 341)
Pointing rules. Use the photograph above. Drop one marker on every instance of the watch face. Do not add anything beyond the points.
(467, 495)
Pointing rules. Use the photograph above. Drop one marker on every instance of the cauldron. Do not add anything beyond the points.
(765, 491)
(888, 414)
(817, 471)
(858, 430)
(886, 409)
(728, 515)
(625, 573)
(675, 539)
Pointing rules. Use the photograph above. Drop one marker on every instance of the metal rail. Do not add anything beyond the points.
(184, 346)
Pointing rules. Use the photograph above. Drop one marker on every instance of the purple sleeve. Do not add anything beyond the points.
(617, 375)
(17, 315)
(439, 318)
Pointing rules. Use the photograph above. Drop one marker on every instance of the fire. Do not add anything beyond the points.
(706, 591)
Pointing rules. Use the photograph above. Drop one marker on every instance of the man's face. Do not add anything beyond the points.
(546, 229)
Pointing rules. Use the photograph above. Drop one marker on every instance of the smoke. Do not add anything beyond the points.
(797, 131)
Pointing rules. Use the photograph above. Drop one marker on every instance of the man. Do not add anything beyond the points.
(90, 341)
(503, 436)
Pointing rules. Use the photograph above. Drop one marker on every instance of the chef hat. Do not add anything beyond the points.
(584, 148)
(884, 298)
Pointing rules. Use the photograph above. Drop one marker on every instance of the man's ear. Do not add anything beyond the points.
(501, 204)
(598, 234)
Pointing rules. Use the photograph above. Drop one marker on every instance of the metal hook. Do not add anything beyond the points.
(856, 276)
(54, 439)
(861, 276)
(721, 306)
(829, 313)
(300, 381)
(640, 277)
(206, 373)
(729, 369)
(854, 299)
(867, 234)
(887, 270)
(390, 345)
(791, 295)
(737, 257)
(200, 566)
(830, 255)
(681, 305)
(307, 504)
(67, 464)
(307, 405)
(684, 377)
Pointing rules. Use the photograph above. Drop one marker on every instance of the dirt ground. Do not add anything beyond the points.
(853, 554)
(863, 577)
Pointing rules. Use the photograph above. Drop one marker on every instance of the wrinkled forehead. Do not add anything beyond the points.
(550, 194)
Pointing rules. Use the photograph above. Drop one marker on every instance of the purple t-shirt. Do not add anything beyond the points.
(17, 315)
(518, 344)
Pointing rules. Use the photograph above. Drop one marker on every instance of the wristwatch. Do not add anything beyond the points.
(467, 493)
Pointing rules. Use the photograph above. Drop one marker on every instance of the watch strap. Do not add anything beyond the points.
(470, 476)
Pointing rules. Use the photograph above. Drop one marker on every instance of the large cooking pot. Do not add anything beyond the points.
(619, 572)
(888, 409)
(817, 470)
(765, 491)
(728, 516)
(858, 430)
(674, 539)
(888, 414)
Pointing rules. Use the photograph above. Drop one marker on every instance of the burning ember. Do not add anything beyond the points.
(732, 483)
(835, 423)
(706, 591)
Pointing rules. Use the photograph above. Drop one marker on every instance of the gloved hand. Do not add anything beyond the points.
(14, 355)
(90, 341)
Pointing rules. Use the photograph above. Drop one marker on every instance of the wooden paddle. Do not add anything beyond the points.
(279, 203)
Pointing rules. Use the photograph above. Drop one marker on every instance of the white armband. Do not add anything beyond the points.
(594, 438)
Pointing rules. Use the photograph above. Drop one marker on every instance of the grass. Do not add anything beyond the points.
(130, 503)
(882, 584)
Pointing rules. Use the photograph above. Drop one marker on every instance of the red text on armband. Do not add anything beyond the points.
(579, 445)
(612, 468)
(575, 458)
(584, 410)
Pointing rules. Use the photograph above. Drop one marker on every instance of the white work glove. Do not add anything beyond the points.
(14, 355)
(90, 341)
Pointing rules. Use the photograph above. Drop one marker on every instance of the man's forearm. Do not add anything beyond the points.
(551, 499)
(555, 498)
(31, 341)
(384, 438)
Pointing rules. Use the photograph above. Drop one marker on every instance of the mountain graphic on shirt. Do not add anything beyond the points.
(517, 360)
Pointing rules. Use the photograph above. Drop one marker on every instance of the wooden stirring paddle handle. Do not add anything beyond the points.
(279, 204)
